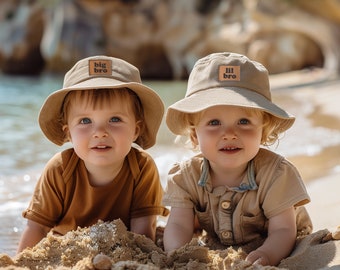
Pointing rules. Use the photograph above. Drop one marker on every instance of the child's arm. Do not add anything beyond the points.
(280, 241)
(179, 229)
(32, 234)
(144, 225)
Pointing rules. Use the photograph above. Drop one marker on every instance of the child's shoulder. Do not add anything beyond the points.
(62, 158)
(61, 165)
(190, 164)
(268, 160)
(268, 156)
(139, 158)
(139, 153)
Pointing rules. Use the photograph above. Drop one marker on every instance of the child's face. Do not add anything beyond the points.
(229, 136)
(102, 136)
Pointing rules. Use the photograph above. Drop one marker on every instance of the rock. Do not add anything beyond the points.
(21, 54)
(336, 234)
(102, 262)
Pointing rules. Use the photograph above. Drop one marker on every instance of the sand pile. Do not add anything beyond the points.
(108, 245)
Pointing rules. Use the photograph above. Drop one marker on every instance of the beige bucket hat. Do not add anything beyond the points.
(98, 72)
(226, 79)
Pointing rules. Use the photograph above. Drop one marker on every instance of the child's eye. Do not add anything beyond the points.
(115, 119)
(85, 121)
(244, 121)
(214, 122)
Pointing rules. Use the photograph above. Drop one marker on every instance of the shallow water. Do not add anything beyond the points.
(24, 150)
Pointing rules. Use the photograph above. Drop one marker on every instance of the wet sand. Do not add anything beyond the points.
(323, 96)
(320, 170)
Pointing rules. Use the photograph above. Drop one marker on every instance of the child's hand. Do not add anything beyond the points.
(258, 257)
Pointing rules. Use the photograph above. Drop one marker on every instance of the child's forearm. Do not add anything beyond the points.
(28, 240)
(175, 237)
(144, 225)
(32, 235)
(277, 246)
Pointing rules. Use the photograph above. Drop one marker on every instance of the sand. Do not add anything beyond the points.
(108, 245)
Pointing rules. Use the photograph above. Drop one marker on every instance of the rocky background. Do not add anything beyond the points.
(164, 38)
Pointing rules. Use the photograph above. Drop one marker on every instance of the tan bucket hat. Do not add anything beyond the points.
(99, 72)
(226, 79)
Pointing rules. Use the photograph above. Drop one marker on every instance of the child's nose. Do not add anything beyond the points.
(229, 133)
(100, 132)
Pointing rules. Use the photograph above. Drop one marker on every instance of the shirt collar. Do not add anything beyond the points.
(248, 182)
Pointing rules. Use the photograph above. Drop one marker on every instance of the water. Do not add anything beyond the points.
(24, 150)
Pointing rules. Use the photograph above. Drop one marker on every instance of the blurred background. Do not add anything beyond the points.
(165, 37)
(297, 40)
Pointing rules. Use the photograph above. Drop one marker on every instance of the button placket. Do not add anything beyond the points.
(225, 218)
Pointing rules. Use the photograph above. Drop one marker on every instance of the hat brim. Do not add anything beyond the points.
(240, 97)
(49, 116)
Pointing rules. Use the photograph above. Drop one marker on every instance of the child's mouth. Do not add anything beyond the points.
(230, 149)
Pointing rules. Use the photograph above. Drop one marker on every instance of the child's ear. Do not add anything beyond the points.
(67, 133)
(138, 130)
(193, 136)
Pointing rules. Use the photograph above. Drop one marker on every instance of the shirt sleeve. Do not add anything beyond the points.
(179, 189)
(284, 189)
(148, 191)
(47, 201)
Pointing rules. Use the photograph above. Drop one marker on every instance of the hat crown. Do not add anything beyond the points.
(101, 66)
(228, 70)
(226, 79)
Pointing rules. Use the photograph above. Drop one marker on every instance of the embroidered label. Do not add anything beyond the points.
(229, 73)
(100, 67)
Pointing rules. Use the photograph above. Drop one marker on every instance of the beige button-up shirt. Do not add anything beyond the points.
(239, 215)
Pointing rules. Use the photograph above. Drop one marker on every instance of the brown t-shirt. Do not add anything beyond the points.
(64, 199)
(238, 215)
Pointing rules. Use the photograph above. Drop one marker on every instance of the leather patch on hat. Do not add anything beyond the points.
(100, 67)
(229, 73)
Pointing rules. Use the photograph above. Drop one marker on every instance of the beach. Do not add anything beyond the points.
(319, 167)
(312, 144)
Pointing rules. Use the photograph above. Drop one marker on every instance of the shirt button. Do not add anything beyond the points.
(227, 234)
(225, 204)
